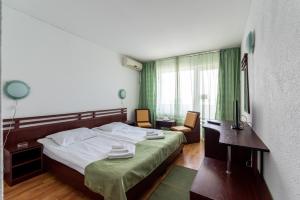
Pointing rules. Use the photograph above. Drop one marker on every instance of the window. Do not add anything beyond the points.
(187, 83)
(166, 88)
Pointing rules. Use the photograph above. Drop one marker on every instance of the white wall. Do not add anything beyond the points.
(274, 76)
(65, 72)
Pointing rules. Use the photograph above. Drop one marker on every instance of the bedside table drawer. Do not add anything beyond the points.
(25, 156)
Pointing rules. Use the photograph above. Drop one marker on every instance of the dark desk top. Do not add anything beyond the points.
(244, 138)
(211, 182)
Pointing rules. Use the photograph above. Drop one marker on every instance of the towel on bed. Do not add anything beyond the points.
(154, 136)
(120, 151)
(113, 155)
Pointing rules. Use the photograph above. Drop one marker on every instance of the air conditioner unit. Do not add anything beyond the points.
(133, 64)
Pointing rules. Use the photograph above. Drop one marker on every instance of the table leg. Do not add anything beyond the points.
(228, 170)
(251, 165)
(262, 163)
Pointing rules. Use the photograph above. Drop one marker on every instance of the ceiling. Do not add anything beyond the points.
(146, 29)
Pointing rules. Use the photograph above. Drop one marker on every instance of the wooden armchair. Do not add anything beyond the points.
(191, 127)
(142, 118)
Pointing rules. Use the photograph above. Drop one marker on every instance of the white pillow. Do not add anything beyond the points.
(68, 137)
(114, 126)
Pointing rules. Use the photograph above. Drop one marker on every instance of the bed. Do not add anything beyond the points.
(112, 179)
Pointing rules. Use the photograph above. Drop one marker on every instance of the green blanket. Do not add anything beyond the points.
(112, 178)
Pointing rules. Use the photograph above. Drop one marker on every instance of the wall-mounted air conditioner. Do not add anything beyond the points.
(133, 64)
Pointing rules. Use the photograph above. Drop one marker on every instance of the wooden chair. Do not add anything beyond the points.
(191, 127)
(142, 118)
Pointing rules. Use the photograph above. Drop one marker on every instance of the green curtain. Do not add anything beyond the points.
(148, 89)
(229, 83)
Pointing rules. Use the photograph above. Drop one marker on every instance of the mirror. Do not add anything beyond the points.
(16, 89)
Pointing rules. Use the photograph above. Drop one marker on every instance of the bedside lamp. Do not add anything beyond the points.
(16, 90)
(122, 95)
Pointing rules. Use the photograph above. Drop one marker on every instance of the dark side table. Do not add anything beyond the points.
(131, 123)
(22, 163)
(165, 124)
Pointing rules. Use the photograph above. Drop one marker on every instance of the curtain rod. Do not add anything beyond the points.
(191, 54)
(194, 54)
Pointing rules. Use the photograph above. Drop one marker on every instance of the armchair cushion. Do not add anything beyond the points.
(144, 124)
(183, 129)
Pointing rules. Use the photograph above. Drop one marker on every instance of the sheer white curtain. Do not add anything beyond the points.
(187, 83)
(166, 74)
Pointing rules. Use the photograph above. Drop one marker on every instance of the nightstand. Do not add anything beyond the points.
(22, 163)
(165, 124)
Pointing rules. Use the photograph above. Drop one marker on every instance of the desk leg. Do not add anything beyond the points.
(262, 163)
(228, 170)
(251, 162)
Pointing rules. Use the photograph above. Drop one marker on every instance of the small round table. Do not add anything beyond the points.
(165, 124)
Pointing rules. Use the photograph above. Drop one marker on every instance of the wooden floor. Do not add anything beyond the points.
(47, 187)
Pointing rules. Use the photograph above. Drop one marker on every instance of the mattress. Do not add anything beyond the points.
(78, 155)
(131, 136)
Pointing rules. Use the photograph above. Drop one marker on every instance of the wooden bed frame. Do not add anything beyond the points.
(33, 128)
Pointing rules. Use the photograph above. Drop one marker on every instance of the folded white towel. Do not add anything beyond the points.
(154, 137)
(117, 146)
(119, 151)
(133, 131)
(151, 133)
(119, 155)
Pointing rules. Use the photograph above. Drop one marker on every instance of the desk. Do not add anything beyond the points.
(243, 138)
(211, 182)
(229, 170)
(239, 146)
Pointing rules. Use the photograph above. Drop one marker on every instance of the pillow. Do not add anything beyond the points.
(68, 137)
(114, 126)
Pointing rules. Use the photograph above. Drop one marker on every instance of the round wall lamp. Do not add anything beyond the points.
(250, 42)
(16, 89)
(122, 94)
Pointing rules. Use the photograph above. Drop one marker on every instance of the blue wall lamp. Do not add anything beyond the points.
(122, 94)
(16, 89)
(250, 42)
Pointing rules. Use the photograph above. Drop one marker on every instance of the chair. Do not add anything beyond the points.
(191, 127)
(142, 118)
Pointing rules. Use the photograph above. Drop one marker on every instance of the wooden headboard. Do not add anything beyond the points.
(33, 128)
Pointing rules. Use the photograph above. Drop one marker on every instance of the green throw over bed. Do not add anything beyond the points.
(112, 178)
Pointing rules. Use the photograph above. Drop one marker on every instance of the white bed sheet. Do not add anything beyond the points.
(127, 133)
(78, 155)
(126, 136)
